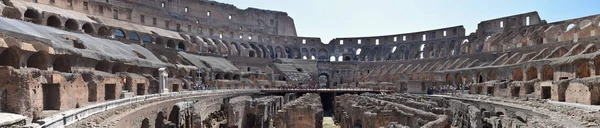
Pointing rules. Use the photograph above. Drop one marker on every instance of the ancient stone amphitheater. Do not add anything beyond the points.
(198, 63)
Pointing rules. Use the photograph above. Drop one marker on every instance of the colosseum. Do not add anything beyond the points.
(203, 64)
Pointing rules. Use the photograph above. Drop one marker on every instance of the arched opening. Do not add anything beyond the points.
(38, 60)
(582, 69)
(145, 123)
(340, 58)
(332, 58)
(323, 80)
(174, 116)
(517, 74)
(346, 58)
(62, 64)
(236, 77)
(480, 78)
(146, 39)
(53, 21)
(358, 51)
(531, 73)
(9, 57)
(71, 25)
(547, 73)
(32, 16)
(104, 32)
(10, 12)
(119, 34)
(251, 54)
(181, 46)
(459, 79)
(133, 36)
(170, 44)
(88, 28)
(159, 122)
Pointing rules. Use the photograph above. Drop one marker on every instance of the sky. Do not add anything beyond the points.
(329, 19)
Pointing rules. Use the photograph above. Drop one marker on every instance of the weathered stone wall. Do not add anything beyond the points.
(304, 112)
(369, 110)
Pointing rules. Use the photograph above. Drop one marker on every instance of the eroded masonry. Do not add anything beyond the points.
(199, 63)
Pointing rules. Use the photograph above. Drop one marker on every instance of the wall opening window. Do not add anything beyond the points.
(527, 21)
(229, 17)
(303, 41)
(142, 19)
(424, 37)
(109, 92)
(501, 24)
(51, 96)
(341, 42)
(359, 41)
(403, 38)
(154, 21)
(444, 33)
(241, 35)
(395, 38)
(394, 49)
(115, 14)
(162, 4)
(250, 37)
(358, 51)
(221, 35)
(185, 9)
(208, 13)
(376, 41)
(340, 58)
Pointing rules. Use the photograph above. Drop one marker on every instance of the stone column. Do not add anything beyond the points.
(163, 80)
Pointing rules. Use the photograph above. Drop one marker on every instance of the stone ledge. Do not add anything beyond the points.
(69, 117)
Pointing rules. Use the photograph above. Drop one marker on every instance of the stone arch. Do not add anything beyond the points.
(145, 123)
(558, 52)
(71, 25)
(459, 79)
(288, 51)
(582, 70)
(133, 36)
(159, 122)
(119, 34)
(53, 21)
(258, 53)
(323, 80)
(62, 64)
(11, 12)
(296, 53)
(265, 51)
(181, 46)
(517, 74)
(38, 60)
(272, 52)
(221, 47)
(170, 44)
(322, 54)
(88, 28)
(174, 115)
(279, 52)
(547, 73)
(304, 52)
(146, 39)
(531, 73)
(10, 57)
(32, 15)
(251, 53)
(104, 31)
(235, 49)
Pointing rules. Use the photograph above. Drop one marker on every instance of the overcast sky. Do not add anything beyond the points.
(329, 19)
